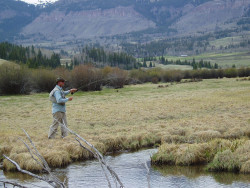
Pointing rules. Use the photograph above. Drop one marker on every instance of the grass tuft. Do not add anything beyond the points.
(220, 154)
(24, 160)
(205, 136)
(224, 161)
(57, 158)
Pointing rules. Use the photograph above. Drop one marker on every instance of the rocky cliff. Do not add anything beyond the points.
(64, 25)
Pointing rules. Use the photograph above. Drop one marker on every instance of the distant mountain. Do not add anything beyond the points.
(67, 20)
(57, 25)
(14, 16)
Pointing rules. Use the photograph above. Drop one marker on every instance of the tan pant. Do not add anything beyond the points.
(59, 120)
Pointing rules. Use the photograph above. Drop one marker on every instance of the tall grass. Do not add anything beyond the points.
(218, 154)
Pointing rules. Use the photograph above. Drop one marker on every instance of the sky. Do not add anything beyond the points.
(35, 2)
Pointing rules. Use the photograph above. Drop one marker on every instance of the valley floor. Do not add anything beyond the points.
(128, 119)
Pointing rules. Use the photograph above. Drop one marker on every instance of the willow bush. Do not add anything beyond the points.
(14, 79)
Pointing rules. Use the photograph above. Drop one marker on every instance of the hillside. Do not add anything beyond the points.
(14, 16)
(60, 25)
(2, 61)
(211, 16)
(74, 20)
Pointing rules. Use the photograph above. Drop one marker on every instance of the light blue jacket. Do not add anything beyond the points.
(60, 106)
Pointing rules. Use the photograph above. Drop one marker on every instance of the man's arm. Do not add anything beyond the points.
(66, 92)
(59, 98)
(70, 91)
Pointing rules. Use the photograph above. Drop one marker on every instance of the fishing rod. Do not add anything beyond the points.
(105, 79)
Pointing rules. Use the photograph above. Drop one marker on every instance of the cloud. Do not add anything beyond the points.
(38, 2)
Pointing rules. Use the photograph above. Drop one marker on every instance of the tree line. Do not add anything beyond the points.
(30, 56)
(16, 79)
(182, 45)
(101, 58)
(196, 65)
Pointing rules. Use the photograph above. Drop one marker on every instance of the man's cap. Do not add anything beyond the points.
(60, 79)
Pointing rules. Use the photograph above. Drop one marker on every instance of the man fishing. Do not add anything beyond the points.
(57, 97)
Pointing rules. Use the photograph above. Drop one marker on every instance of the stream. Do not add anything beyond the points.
(131, 169)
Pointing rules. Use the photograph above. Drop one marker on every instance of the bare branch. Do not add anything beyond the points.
(31, 153)
(37, 153)
(85, 147)
(45, 164)
(12, 183)
(99, 156)
(29, 173)
(148, 174)
(96, 154)
(52, 179)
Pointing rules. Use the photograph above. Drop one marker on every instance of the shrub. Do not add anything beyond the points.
(155, 80)
(187, 74)
(87, 78)
(220, 73)
(241, 72)
(116, 78)
(140, 76)
(230, 73)
(247, 71)
(14, 79)
(172, 76)
(43, 80)
(64, 73)
(155, 75)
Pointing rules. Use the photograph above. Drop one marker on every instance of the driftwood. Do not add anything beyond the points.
(98, 156)
(11, 183)
(148, 174)
(51, 179)
(55, 181)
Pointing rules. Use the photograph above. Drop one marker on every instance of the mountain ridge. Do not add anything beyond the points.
(67, 20)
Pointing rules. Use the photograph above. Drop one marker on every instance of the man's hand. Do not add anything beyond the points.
(73, 90)
(70, 98)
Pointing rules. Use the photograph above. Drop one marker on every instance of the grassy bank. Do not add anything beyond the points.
(220, 154)
(2, 61)
(129, 118)
(224, 60)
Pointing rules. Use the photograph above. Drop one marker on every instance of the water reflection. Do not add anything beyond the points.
(130, 168)
(193, 172)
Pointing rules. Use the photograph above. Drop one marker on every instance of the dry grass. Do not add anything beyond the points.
(225, 161)
(134, 117)
(221, 154)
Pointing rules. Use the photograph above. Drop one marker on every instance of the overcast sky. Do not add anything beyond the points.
(38, 1)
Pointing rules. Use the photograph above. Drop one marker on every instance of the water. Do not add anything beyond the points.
(132, 172)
